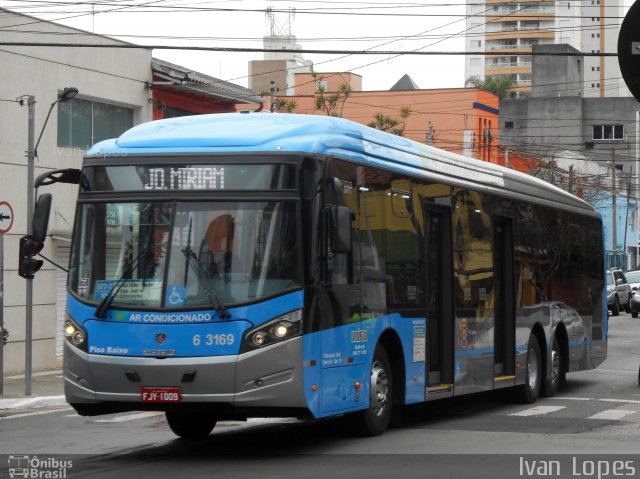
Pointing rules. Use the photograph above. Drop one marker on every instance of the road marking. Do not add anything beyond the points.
(130, 417)
(538, 411)
(621, 401)
(37, 413)
(611, 414)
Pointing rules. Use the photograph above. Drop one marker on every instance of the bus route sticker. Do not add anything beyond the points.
(419, 341)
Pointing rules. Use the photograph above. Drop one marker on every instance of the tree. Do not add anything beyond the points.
(332, 105)
(499, 86)
(391, 124)
(287, 105)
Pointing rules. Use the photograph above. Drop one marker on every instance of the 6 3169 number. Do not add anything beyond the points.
(214, 340)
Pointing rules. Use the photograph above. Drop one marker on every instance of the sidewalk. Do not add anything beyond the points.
(47, 389)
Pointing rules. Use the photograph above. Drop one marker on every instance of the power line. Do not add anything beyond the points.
(330, 11)
(310, 51)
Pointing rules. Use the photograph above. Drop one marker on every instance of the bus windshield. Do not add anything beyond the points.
(179, 254)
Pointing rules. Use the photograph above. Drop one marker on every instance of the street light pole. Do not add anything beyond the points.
(32, 151)
(31, 137)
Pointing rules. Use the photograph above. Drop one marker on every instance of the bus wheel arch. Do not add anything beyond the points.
(390, 341)
(386, 387)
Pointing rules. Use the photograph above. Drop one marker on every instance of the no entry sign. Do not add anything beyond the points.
(6, 217)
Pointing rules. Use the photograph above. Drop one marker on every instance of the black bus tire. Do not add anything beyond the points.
(374, 420)
(528, 392)
(190, 425)
(558, 375)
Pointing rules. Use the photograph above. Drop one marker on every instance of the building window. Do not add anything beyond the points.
(508, 125)
(608, 132)
(321, 85)
(83, 123)
(476, 43)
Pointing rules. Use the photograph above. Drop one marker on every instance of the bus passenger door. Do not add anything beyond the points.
(504, 312)
(439, 271)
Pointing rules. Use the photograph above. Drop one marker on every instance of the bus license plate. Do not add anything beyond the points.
(160, 394)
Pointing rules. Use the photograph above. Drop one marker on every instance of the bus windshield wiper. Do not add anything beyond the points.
(217, 303)
(105, 304)
(192, 260)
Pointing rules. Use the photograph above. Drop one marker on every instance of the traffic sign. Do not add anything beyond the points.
(6, 217)
(629, 49)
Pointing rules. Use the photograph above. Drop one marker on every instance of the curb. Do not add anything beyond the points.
(39, 401)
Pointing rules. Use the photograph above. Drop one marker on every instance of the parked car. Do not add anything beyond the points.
(633, 277)
(618, 292)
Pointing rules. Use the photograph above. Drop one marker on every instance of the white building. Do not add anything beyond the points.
(510, 29)
(112, 98)
(118, 88)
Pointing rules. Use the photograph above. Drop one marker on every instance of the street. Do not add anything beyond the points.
(598, 413)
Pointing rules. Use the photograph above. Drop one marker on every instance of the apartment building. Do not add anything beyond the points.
(501, 34)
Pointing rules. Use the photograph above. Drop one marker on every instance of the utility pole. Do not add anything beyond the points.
(572, 178)
(637, 195)
(626, 221)
(31, 137)
(271, 96)
(613, 199)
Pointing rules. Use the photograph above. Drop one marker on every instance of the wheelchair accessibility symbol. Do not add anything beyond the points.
(176, 295)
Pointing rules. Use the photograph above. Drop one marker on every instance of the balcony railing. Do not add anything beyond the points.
(509, 64)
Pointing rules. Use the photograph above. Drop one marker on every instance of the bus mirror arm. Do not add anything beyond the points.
(65, 175)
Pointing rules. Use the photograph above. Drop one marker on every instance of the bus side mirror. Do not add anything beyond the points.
(340, 217)
(40, 221)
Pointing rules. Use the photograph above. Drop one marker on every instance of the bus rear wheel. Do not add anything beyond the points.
(528, 392)
(189, 425)
(558, 375)
(374, 420)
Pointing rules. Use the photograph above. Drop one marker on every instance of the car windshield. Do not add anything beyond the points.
(174, 255)
(633, 276)
(609, 279)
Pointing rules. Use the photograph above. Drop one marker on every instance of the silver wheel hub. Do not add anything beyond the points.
(555, 366)
(379, 389)
(532, 370)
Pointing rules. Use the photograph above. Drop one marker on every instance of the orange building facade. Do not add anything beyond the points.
(460, 120)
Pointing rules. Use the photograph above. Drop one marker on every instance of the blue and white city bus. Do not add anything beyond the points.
(268, 265)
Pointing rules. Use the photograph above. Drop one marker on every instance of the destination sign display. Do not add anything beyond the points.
(190, 177)
(186, 178)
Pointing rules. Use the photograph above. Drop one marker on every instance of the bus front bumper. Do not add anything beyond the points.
(266, 378)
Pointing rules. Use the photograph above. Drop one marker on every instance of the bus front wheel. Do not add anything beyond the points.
(528, 393)
(190, 425)
(374, 420)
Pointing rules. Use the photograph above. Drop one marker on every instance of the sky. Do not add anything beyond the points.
(431, 25)
(396, 27)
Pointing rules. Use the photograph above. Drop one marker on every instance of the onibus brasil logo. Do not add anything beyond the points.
(38, 468)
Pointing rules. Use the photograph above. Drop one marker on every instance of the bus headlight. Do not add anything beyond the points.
(75, 333)
(280, 329)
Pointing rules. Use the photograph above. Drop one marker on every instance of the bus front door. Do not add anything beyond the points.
(439, 282)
